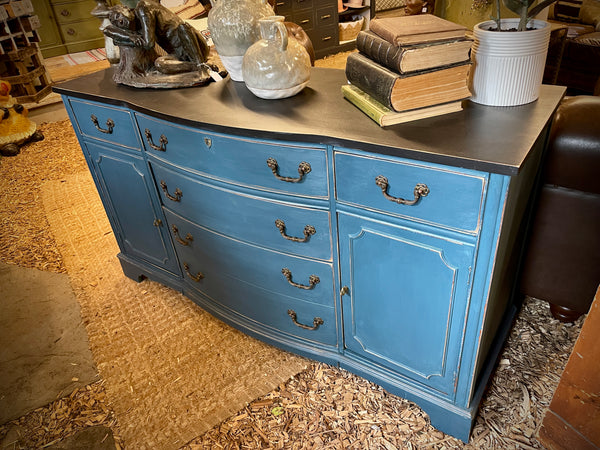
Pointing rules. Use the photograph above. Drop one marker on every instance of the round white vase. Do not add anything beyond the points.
(508, 66)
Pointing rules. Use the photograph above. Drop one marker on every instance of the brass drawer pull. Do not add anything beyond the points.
(312, 280)
(303, 169)
(110, 124)
(176, 197)
(196, 277)
(326, 16)
(317, 321)
(305, 21)
(421, 190)
(188, 237)
(327, 38)
(162, 141)
(308, 231)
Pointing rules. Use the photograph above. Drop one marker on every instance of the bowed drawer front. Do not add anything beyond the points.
(292, 169)
(279, 225)
(258, 283)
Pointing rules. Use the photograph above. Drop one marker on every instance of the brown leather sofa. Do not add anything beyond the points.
(574, 52)
(562, 259)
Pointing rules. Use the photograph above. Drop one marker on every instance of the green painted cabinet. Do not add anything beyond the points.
(67, 26)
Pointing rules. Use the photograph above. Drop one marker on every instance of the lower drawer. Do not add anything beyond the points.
(201, 250)
(282, 314)
(249, 281)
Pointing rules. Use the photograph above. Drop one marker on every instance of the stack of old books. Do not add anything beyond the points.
(409, 68)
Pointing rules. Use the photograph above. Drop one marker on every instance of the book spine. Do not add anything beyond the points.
(361, 103)
(371, 77)
(379, 50)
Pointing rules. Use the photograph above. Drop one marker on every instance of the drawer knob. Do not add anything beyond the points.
(176, 197)
(110, 124)
(317, 321)
(421, 190)
(65, 12)
(199, 276)
(303, 169)
(312, 280)
(188, 237)
(308, 231)
(71, 32)
(162, 141)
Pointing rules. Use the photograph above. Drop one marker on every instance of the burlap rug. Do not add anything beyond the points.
(171, 370)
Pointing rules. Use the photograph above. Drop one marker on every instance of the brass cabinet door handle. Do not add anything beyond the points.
(176, 197)
(421, 190)
(312, 280)
(188, 237)
(199, 276)
(162, 141)
(317, 321)
(303, 169)
(110, 124)
(308, 231)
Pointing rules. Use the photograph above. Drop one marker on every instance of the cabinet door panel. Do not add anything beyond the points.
(128, 200)
(407, 299)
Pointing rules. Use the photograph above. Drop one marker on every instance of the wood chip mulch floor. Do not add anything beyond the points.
(322, 407)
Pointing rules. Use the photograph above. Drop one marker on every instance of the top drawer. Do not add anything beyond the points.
(106, 123)
(291, 169)
(451, 198)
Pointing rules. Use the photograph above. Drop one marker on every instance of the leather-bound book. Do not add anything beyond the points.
(416, 29)
(385, 116)
(402, 92)
(413, 57)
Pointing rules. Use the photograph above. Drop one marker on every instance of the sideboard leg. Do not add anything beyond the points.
(132, 271)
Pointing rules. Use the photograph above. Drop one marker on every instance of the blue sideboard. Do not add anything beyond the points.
(391, 252)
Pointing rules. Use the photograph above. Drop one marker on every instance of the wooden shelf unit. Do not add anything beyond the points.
(21, 63)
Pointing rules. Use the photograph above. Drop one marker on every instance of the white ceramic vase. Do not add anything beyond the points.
(234, 27)
(508, 66)
(276, 66)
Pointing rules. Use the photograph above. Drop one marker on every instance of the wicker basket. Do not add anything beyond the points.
(349, 30)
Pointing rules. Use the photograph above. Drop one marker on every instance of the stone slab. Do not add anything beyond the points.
(44, 349)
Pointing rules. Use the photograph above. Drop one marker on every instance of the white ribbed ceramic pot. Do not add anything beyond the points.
(508, 66)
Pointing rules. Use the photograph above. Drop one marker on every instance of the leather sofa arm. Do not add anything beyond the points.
(573, 159)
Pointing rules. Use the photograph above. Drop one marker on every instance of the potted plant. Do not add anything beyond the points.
(509, 55)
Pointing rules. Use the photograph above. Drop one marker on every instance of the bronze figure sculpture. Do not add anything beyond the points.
(138, 31)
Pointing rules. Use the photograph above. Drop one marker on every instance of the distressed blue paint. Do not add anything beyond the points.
(420, 279)
(124, 187)
(124, 132)
(407, 300)
(219, 209)
(455, 199)
(243, 161)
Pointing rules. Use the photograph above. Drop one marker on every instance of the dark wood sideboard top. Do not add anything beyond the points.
(494, 139)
